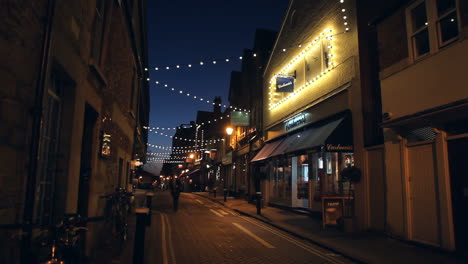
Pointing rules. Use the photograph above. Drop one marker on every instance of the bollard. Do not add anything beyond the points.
(149, 201)
(139, 244)
(225, 195)
(259, 202)
(214, 193)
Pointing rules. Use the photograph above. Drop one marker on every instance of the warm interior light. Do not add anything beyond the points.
(229, 130)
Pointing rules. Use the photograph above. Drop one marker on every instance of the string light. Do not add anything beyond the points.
(203, 100)
(323, 36)
(189, 126)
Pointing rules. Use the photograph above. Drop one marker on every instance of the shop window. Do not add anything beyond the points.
(325, 173)
(303, 177)
(281, 181)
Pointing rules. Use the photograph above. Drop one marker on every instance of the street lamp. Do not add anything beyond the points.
(229, 130)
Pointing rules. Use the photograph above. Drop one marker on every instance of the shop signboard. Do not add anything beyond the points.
(295, 122)
(240, 119)
(285, 84)
(339, 148)
(332, 210)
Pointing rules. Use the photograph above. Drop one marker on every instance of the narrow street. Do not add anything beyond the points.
(202, 231)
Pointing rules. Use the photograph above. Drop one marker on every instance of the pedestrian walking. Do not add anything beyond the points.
(176, 187)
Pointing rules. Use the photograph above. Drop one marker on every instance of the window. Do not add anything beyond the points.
(98, 31)
(420, 36)
(447, 22)
(432, 24)
(48, 152)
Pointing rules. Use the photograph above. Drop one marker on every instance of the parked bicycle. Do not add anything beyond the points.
(119, 203)
(63, 241)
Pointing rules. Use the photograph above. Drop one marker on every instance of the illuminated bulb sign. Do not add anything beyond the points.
(296, 121)
(105, 145)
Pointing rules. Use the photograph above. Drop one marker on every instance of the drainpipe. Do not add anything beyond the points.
(35, 134)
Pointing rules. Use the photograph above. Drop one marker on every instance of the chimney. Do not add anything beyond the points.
(217, 105)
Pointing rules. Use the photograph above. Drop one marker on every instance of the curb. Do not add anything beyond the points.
(345, 255)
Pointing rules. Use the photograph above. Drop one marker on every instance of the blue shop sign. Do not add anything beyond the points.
(285, 84)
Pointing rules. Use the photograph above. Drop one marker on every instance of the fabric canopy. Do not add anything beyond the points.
(307, 139)
(265, 152)
(194, 171)
(310, 138)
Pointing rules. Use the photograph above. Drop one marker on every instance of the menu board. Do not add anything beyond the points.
(332, 210)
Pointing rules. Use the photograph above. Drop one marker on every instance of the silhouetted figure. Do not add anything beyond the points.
(176, 187)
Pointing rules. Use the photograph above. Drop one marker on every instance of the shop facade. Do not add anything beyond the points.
(317, 119)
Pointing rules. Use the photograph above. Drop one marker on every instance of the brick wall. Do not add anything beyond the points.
(21, 33)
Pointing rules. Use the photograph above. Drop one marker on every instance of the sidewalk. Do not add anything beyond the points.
(366, 247)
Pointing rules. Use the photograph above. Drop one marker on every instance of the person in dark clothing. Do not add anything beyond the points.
(176, 187)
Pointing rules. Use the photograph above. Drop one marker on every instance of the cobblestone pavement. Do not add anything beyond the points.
(202, 231)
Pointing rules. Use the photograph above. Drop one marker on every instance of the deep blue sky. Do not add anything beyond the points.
(188, 31)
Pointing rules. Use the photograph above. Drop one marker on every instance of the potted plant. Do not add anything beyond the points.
(350, 175)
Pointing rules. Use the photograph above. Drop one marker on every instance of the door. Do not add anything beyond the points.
(86, 159)
(458, 152)
(424, 217)
(377, 203)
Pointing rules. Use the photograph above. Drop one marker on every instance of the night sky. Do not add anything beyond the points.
(187, 32)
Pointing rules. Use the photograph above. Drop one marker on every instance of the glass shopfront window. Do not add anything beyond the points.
(326, 170)
(280, 177)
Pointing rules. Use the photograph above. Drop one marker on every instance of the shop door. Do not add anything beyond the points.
(458, 152)
(423, 215)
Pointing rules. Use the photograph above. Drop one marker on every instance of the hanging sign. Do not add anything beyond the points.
(285, 84)
(240, 119)
(105, 145)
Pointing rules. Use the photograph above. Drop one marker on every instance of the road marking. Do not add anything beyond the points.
(224, 213)
(169, 241)
(266, 244)
(163, 238)
(200, 202)
(218, 214)
(296, 242)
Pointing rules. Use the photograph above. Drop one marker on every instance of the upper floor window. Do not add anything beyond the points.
(98, 33)
(432, 24)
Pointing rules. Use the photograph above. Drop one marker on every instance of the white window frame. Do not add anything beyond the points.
(433, 27)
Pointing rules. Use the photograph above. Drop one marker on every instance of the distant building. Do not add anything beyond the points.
(73, 101)
(423, 54)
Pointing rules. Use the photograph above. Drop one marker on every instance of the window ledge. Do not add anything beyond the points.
(97, 72)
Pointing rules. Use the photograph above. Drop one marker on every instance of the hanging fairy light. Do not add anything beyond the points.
(188, 94)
